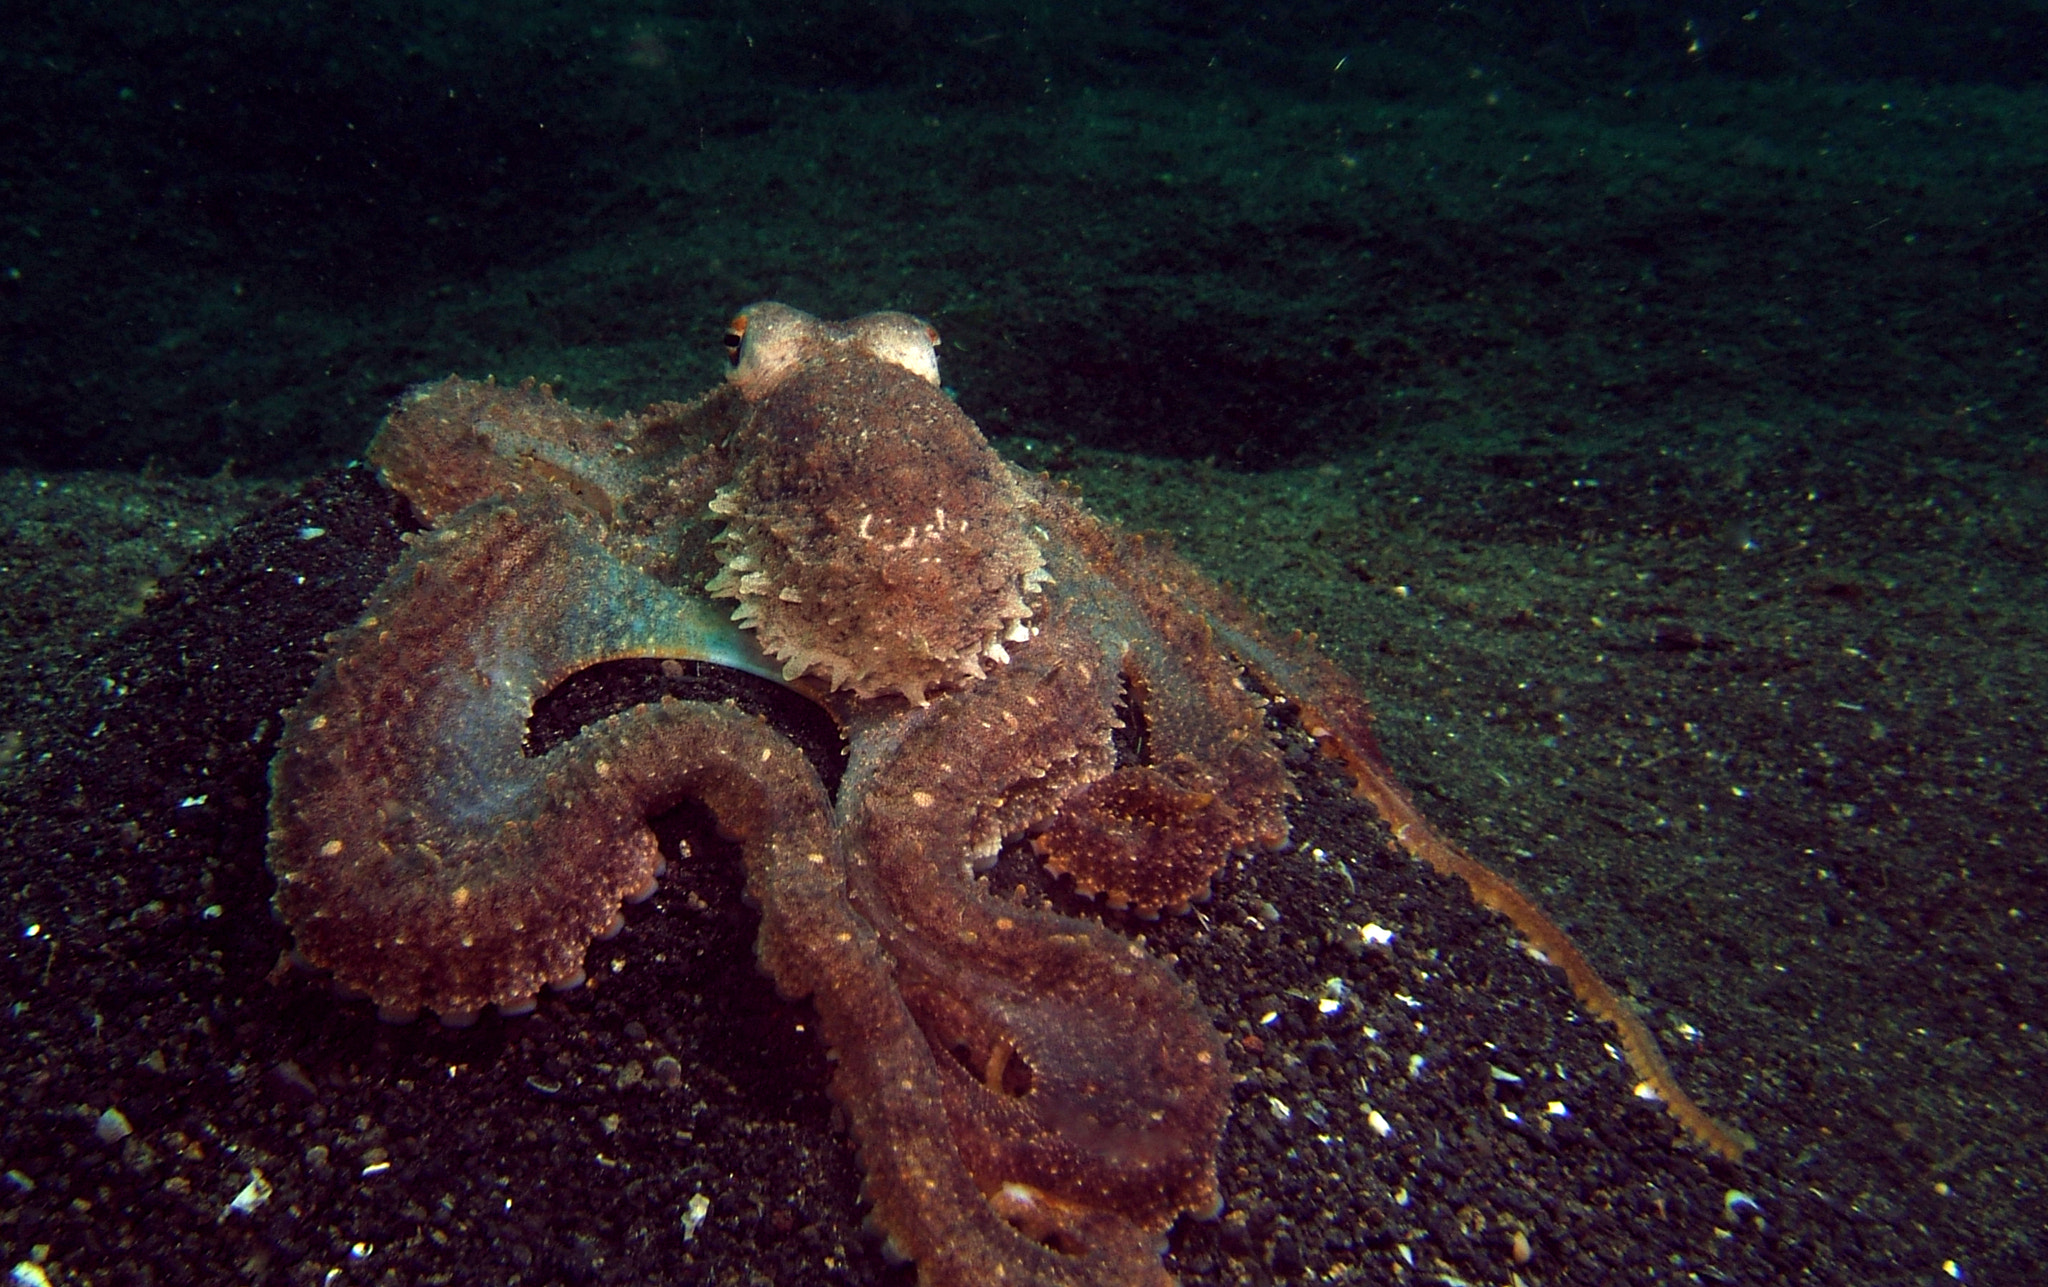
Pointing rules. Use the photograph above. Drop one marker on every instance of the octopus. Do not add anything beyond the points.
(1035, 1097)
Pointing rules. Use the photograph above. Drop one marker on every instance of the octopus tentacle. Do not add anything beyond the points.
(1151, 835)
(1336, 716)
(420, 855)
(1085, 1088)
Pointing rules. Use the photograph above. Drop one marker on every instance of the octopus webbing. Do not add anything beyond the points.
(1035, 1097)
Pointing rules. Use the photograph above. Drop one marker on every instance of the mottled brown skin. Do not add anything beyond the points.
(874, 539)
(1035, 1098)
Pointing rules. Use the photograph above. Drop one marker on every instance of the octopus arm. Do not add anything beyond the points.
(1206, 778)
(452, 443)
(1336, 714)
(1083, 1086)
(420, 855)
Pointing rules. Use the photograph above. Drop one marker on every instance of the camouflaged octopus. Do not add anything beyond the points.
(1035, 1098)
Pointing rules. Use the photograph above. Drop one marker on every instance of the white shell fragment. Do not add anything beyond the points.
(693, 1215)
(112, 1127)
(253, 1195)
(1332, 999)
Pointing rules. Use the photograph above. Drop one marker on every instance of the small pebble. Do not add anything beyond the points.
(693, 1216)
(290, 1082)
(112, 1127)
(253, 1195)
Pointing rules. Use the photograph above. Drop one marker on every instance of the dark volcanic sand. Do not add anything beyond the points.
(1783, 924)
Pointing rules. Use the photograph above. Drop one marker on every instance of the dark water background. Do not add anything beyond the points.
(1258, 233)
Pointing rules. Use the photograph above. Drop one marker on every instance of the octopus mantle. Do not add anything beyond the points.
(1035, 1097)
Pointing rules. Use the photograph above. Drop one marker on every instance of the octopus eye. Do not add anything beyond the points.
(931, 333)
(735, 338)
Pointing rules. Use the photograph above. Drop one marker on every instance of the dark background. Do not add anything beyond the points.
(232, 233)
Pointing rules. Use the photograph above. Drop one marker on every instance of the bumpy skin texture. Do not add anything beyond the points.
(873, 538)
(1034, 1097)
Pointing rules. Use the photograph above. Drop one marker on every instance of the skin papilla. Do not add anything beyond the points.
(1035, 1098)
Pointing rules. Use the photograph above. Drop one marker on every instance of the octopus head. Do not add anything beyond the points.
(874, 540)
